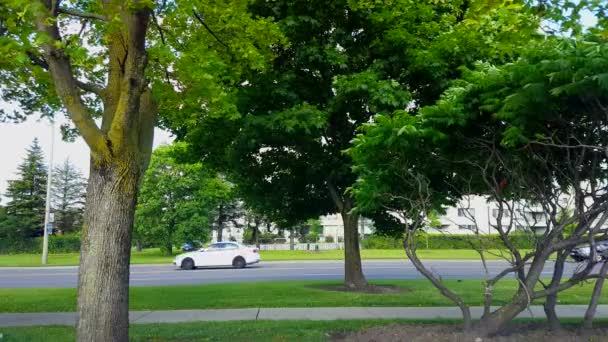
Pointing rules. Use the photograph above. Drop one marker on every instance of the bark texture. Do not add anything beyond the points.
(220, 223)
(103, 278)
(551, 300)
(496, 321)
(353, 272)
(595, 297)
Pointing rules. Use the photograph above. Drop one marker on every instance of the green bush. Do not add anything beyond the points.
(445, 241)
(63, 243)
(382, 242)
(13, 246)
(57, 244)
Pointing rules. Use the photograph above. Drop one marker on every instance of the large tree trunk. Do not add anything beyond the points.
(353, 272)
(103, 279)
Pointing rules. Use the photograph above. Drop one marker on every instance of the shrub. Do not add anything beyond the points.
(381, 242)
(449, 241)
(329, 239)
(63, 243)
(57, 244)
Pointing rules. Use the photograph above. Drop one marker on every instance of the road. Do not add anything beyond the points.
(155, 275)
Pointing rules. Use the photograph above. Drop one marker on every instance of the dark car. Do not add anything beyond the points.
(189, 247)
(580, 254)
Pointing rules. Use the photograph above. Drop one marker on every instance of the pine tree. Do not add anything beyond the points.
(68, 197)
(27, 194)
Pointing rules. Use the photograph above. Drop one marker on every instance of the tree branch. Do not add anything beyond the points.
(200, 20)
(81, 14)
(60, 68)
(333, 192)
(90, 87)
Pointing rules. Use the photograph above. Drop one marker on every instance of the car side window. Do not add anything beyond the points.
(230, 246)
(216, 246)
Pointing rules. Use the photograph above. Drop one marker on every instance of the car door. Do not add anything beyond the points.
(212, 256)
(229, 251)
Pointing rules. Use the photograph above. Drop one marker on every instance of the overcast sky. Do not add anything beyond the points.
(15, 138)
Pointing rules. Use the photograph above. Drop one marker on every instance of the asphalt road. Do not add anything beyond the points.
(150, 275)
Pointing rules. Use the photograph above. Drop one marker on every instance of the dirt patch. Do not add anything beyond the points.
(370, 289)
(453, 333)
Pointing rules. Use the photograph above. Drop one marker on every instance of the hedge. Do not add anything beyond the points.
(71, 243)
(57, 244)
(444, 241)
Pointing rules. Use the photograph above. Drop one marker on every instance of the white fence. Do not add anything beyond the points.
(321, 246)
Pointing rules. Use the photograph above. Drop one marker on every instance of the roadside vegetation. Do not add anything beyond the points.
(279, 294)
(155, 256)
(305, 331)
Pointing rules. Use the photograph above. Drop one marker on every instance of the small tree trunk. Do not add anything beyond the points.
(256, 235)
(496, 321)
(353, 272)
(220, 223)
(551, 300)
(167, 248)
(103, 278)
(291, 240)
(595, 297)
(138, 245)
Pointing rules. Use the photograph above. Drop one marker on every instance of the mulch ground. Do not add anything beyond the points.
(453, 333)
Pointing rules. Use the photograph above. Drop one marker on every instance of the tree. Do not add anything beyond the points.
(177, 200)
(26, 195)
(524, 134)
(68, 197)
(123, 67)
(228, 209)
(346, 62)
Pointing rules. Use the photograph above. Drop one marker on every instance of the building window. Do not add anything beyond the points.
(466, 227)
(468, 212)
(535, 217)
(505, 213)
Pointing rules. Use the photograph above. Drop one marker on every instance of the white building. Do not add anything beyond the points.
(478, 213)
(334, 226)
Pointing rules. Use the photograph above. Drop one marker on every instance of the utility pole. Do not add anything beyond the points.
(47, 211)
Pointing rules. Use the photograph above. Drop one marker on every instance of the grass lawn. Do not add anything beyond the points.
(209, 331)
(236, 331)
(275, 294)
(153, 256)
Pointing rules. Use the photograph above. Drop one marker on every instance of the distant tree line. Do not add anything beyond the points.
(22, 217)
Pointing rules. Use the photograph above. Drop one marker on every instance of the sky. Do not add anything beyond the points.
(15, 138)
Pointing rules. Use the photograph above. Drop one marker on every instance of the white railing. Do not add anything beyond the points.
(319, 246)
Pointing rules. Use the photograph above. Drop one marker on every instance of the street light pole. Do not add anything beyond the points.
(47, 210)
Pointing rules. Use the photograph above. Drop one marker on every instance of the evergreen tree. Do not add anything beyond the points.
(68, 197)
(27, 194)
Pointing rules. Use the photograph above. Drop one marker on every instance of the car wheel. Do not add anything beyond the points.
(239, 262)
(577, 258)
(187, 264)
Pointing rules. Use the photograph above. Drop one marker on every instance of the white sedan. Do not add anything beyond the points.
(218, 254)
